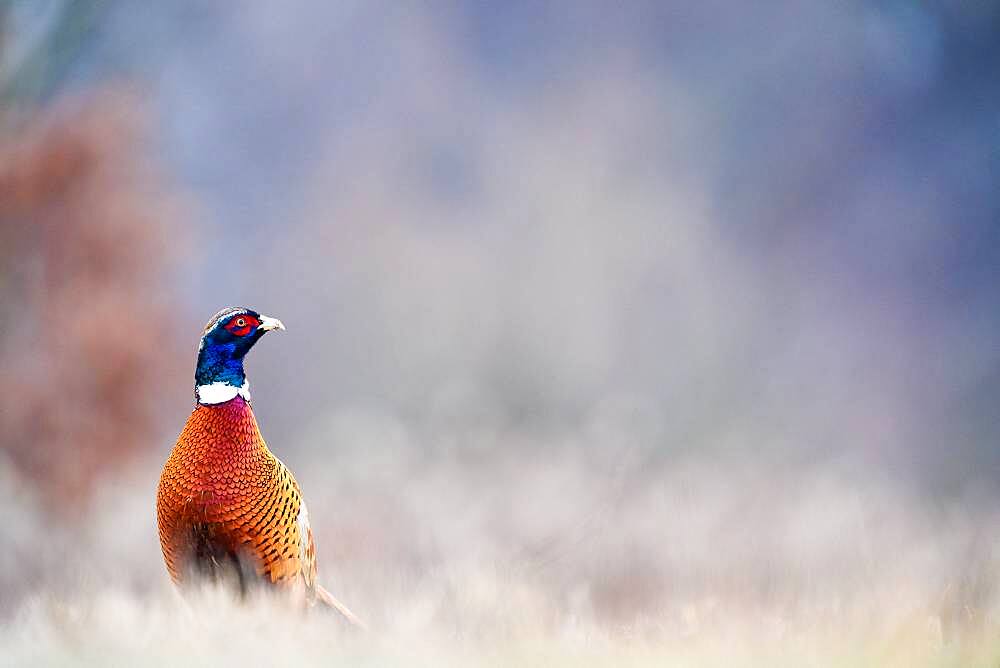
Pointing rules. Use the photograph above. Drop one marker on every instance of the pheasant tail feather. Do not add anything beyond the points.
(330, 601)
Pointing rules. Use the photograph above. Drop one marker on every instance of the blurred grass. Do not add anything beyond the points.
(687, 574)
(115, 628)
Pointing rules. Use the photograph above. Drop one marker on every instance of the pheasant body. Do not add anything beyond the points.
(225, 504)
(224, 495)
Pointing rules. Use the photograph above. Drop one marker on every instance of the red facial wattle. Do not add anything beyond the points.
(241, 325)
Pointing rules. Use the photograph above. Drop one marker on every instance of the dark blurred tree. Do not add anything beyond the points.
(88, 252)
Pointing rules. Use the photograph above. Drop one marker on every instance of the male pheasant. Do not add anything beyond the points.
(226, 507)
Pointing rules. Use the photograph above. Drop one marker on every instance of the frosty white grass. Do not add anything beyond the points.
(552, 561)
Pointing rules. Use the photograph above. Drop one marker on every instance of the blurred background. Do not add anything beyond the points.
(602, 319)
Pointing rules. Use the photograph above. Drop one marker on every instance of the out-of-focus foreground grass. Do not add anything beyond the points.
(688, 564)
(112, 629)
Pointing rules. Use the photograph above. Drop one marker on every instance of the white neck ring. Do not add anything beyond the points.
(219, 392)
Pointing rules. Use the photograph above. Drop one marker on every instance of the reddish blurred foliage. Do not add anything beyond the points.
(88, 250)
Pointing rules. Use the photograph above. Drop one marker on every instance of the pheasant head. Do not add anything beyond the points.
(227, 338)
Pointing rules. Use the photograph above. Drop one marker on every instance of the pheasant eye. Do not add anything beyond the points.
(242, 325)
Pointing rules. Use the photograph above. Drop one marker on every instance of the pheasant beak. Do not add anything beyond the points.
(268, 323)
